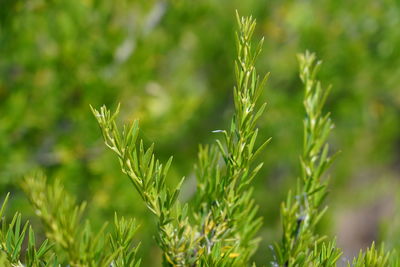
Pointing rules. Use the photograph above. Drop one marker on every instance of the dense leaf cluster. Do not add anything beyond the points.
(219, 228)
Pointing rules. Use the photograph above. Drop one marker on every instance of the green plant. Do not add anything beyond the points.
(168, 63)
(224, 217)
(223, 202)
(302, 211)
(12, 236)
(301, 245)
(219, 226)
(74, 241)
(62, 219)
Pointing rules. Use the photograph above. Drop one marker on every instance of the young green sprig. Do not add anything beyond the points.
(302, 211)
(122, 243)
(224, 196)
(148, 175)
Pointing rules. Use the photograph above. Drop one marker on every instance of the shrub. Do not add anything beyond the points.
(219, 226)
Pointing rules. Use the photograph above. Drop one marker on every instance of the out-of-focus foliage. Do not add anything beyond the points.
(73, 243)
(169, 63)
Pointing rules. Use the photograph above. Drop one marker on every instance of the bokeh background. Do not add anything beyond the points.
(170, 64)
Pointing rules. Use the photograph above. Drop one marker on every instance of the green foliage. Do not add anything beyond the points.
(168, 63)
(12, 236)
(121, 243)
(302, 211)
(372, 257)
(224, 208)
(58, 212)
(225, 213)
(76, 243)
(218, 226)
(301, 245)
(148, 177)
(224, 193)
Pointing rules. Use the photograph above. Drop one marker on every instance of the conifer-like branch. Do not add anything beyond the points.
(148, 175)
(302, 211)
(224, 191)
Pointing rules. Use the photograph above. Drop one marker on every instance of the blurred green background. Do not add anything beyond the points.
(170, 64)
